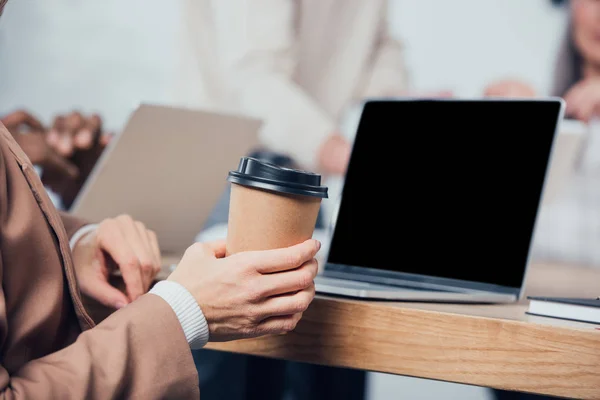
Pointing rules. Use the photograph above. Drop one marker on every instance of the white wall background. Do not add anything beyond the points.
(107, 56)
(463, 44)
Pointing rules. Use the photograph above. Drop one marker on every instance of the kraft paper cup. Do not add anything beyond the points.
(270, 206)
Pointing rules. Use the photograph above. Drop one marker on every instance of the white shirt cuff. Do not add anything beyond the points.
(187, 310)
(84, 230)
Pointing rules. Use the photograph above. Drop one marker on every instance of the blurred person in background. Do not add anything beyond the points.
(569, 230)
(296, 64)
(299, 65)
(577, 70)
(65, 152)
(50, 345)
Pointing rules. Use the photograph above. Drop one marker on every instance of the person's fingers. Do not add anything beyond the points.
(288, 304)
(73, 123)
(501, 89)
(112, 240)
(18, 118)
(576, 108)
(278, 325)
(62, 128)
(59, 123)
(505, 91)
(490, 91)
(443, 94)
(511, 91)
(587, 103)
(88, 133)
(83, 139)
(434, 94)
(138, 244)
(509, 88)
(271, 261)
(147, 239)
(105, 139)
(586, 107)
(59, 165)
(100, 290)
(290, 281)
(53, 136)
(155, 248)
(573, 99)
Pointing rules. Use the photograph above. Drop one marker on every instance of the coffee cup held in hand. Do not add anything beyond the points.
(271, 206)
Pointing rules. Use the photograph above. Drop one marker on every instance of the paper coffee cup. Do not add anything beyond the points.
(270, 206)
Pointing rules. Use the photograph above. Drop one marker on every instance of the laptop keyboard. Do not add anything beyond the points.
(326, 280)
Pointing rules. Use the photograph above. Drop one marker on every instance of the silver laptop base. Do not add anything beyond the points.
(367, 290)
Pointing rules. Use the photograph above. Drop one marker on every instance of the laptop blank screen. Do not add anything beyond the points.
(445, 188)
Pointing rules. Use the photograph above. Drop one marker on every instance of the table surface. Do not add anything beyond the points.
(497, 346)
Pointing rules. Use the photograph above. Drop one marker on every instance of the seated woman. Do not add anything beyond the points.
(568, 231)
(577, 70)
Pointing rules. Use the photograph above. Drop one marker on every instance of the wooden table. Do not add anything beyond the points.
(496, 346)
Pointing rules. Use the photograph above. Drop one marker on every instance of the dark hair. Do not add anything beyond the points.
(558, 3)
(568, 65)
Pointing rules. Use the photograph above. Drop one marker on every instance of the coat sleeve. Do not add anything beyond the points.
(138, 352)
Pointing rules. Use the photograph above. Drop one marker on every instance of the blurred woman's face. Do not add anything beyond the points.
(586, 29)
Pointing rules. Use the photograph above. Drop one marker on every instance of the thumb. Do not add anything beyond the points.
(216, 248)
(108, 295)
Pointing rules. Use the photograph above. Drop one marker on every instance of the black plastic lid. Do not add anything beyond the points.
(264, 175)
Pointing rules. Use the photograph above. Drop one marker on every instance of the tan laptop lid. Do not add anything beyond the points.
(567, 148)
(168, 168)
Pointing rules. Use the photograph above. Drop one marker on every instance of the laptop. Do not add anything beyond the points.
(566, 157)
(167, 169)
(440, 200)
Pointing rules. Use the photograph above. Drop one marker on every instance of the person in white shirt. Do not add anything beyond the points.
(299, 65)
(568, 231)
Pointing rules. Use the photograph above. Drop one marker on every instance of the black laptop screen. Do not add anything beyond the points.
(445, 188)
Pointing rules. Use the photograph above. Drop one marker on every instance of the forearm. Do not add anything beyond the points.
(294, 123)
(138, 352)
